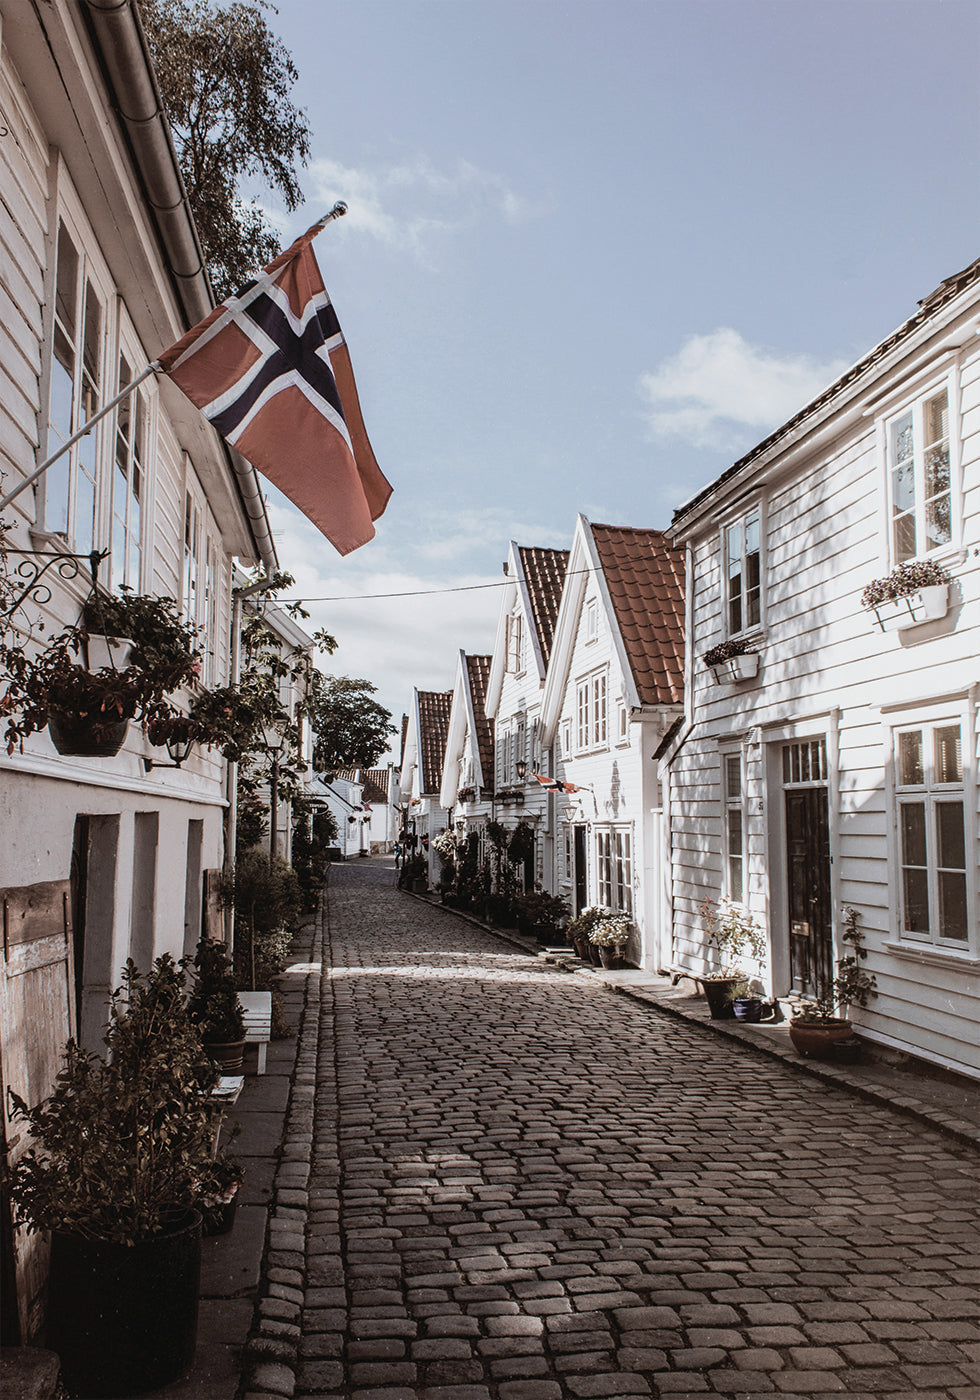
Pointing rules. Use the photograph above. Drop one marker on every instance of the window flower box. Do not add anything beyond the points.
(924, 605)
(912, 593)
(732, 661)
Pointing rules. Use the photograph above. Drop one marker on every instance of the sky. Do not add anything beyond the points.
(595, 251)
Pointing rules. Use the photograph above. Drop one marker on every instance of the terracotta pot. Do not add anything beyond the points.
(227, 1055)
(76, 737)
(816, 1038)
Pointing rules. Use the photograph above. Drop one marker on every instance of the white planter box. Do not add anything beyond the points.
(108, 652)
(737, 668)
(897, 614)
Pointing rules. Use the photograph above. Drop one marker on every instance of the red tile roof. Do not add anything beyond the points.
(375, 785)
(478, 670)
(645, 578)
(544, 573)
(434, 707)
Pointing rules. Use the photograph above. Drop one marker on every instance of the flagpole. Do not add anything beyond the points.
(82, 432)
(337, 212)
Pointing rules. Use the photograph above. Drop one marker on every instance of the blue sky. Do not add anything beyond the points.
(596, 250)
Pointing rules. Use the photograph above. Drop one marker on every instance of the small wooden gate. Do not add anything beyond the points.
(36, 1019)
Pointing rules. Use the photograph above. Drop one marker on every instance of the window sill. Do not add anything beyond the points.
(934, 957)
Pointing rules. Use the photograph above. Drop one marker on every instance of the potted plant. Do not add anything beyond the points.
(817, 1026)
(415, 874)
(732, 933)
(214, 1008)
(218, 1200)
(540, 914)
(732, 660)
(916, 591)
(161, 642)
(610, 934)
(578, 930)
(119, 1152)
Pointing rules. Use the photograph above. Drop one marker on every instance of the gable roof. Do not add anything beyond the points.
(478, 671)
(644, 574)
(544, 576)
(434, 707)
(376, 784)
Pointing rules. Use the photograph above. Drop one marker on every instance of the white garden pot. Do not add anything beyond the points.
(926, 605)
(108, 652)
(737, 668)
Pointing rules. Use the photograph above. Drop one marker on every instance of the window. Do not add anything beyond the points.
(566, 738)
(622, 722)
(734, 834)
(515, 643)
(614, 868)
(71, 483)
(590, 712)
(934, 887)
(920, 498)
(744, 572)
(591, 620)
(128, 484)
(192, 557)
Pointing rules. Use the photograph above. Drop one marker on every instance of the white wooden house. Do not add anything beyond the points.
(836, 767)
(467, 792)
(100, 269)
(514, 689)
(423, 751)
(613, 691)
(343, 794)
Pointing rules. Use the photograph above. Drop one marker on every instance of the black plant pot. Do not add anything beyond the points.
(747, 1008)
(123, 1318)
(718, 992)
(77, 737)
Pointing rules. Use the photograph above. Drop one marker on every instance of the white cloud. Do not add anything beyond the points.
(718, 388)
(410, 203)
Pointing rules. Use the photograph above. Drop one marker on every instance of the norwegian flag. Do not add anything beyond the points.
(554, 785)
(270, 369)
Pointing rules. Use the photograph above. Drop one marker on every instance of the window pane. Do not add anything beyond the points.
(952, 906)
(913, 833)
(949, 764)
(66, 295)
(938, 522)
(902, 446)
(915, 897)
(910, 772)
(936, 420)
(903, 487)
(903, 535)
(950, 838)
(62, 384)
(733, 777)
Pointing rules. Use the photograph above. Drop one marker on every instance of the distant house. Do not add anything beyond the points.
(380, 819)
(343, 794)
(467, 772)
(828, 763)
(514, 687)
(421, 776)
(614, 689)
(102, 858)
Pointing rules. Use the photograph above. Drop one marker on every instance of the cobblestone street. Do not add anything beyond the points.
(527, 1187)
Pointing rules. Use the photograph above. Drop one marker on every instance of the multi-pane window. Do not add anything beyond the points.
(515, 642)
(192, 557)
(932, 833)
(591, 727)
(743, 561)
(919, 483)
(71, 483)
(614, 868)
(734, 825)
(128, 484)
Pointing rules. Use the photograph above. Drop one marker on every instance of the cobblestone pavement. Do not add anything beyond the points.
(526, 1187)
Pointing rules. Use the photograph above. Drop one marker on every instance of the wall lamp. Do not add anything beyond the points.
(178, 749)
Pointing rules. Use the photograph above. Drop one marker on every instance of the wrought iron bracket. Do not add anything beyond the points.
(30, 574)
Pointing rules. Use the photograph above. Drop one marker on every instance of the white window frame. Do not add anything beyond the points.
(734, 825)
(134, 438)
(565, 739)
(738, 530)
(622, 722)
(591, 620)
(914, 408)
(592, 711)
(515, 642)
(614, 867)
(88, 460)
(931, 794)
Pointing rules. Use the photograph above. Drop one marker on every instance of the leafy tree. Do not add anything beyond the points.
(351, 729)
(225, 81)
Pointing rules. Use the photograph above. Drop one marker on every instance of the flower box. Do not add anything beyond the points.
(744, 667)
(924, 605)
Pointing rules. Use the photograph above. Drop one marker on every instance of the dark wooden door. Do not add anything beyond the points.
(581, 871)
(808, 871)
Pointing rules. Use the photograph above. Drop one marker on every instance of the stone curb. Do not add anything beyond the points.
(271, 1357)
(850, 1080)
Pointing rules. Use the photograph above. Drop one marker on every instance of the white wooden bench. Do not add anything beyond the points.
(257, 1007)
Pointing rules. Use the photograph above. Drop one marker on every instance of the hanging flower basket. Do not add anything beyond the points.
(78, 736)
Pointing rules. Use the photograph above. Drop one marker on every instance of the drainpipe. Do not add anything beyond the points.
(125, 57)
